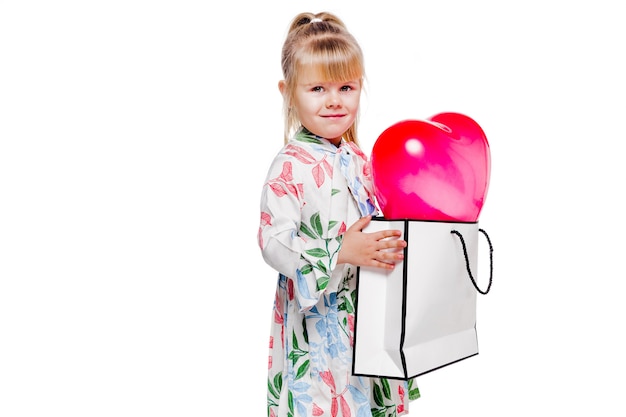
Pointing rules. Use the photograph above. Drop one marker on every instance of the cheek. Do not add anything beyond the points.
(303, 104)
(355, 102)
(311, 109)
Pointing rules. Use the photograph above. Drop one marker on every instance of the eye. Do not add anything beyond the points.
(317, 89)
(346, 88)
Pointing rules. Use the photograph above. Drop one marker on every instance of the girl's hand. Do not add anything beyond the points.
(380, 249)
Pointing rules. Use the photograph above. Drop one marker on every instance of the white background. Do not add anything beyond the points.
(135, 136)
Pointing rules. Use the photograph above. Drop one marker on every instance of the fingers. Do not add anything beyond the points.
(389, 252)
(390, 264)
(391, 242)
(383, 265)
(384, 234)
(389, 239)
(392, 256)
(380, 249)
(361, 223)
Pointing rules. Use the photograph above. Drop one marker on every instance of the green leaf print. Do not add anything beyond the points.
(414, 391)
(378, 412)
(290, 402)
(335, 191)
(278, 382)
(386, 388)
(305, 136)
(322, 282)
(306, 269)
(322, 267)
(271, 390)
(316, 224)
(317, 252)
(378, 395)
(305, 229)
(332, 224)
(303, 369)
(294, 355)
(349, 306)
(347, 297)
(346, 305)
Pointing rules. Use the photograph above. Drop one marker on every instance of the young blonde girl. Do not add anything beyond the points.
(315, 202)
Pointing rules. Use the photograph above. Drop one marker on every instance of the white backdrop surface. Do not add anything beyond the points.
(134, 139)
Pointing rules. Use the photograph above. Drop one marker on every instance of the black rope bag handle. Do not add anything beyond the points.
(467, 264)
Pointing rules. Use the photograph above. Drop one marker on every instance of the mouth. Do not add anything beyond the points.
(333, 116)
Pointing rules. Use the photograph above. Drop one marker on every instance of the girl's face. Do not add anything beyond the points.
(326, 108)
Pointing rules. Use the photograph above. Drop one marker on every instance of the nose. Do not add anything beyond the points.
(333, 100)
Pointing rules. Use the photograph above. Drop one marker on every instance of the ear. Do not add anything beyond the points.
(282, 87)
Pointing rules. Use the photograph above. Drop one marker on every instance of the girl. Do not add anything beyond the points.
(316, 200)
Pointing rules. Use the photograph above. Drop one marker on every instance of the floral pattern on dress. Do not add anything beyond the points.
(313, 192)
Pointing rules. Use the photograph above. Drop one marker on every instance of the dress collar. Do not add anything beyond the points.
(305, 135)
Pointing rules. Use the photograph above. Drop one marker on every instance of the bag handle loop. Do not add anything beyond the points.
(467, 263)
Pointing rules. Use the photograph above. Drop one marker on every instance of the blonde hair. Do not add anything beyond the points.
(322, 41)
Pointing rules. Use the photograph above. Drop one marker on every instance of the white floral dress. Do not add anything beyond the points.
(313, 192)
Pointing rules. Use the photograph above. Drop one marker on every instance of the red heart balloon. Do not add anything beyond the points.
(433, 169)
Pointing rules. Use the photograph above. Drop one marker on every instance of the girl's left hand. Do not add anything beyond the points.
(380, 249)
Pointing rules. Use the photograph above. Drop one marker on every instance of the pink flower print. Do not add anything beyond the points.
(334, 407)
(282, 336)
(283, 184)
(317, 411)
(278, 318)
(260, 238)
(328, 379)
(400, 407)
(342, 228)
(318, 172)
(266, 219)
(290, 290)
(278, 309)
(351, 328)
(269, 358)
(300, 154)
(354, 148)
(345, 408)
(318, 175)
(287, 172)
(367, 170)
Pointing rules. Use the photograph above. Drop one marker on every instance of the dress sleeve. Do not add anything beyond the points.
(293, 246)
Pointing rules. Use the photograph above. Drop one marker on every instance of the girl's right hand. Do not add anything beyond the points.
(380, 249)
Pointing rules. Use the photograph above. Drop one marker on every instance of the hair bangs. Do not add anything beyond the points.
(333, 61)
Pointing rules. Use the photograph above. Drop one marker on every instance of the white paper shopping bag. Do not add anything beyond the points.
(422, 315)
